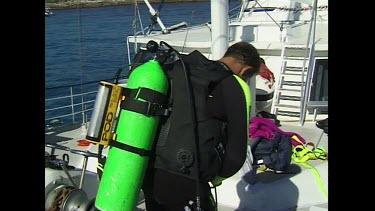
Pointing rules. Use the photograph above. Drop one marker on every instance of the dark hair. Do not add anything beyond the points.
(245, 53)
(262, 61)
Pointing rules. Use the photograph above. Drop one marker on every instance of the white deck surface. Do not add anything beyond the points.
(295, 191)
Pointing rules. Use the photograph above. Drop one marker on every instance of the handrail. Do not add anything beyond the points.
(305, 90)
(75, 106)
(69, 108)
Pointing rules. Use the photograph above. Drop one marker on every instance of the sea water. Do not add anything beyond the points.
(86, 45)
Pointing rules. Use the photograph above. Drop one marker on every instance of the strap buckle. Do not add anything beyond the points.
(152, 108)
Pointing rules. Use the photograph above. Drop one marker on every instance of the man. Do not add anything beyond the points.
(228, 103)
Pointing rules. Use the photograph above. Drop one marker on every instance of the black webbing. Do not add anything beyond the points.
(146, 94)
(153, 106)
(139, 151)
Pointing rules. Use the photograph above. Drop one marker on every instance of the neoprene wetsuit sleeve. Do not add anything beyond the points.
(229, 103)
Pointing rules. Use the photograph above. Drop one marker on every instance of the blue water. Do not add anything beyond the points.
(86, 45)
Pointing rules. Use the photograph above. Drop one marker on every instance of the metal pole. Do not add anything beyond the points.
(310, 42)
(72, 102)
(153, 13)
(84, 166)
(219, 22)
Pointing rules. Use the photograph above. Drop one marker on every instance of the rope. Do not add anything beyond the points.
(80, 60)
(302, 153)
(317, 178)
(281, 27)
(134, 23)
(60, 197)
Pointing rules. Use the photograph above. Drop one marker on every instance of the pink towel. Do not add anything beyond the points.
(265, 128)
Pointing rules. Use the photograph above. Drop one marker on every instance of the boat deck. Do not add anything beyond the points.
(298, 189)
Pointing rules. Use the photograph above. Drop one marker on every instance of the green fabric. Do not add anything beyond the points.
(217, 181)
(317, 178)
(247, 94)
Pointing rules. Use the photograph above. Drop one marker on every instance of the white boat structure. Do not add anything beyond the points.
(47, 11)
(290, 35)
(292, 38)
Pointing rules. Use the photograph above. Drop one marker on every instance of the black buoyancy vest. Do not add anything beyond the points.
(176, 149)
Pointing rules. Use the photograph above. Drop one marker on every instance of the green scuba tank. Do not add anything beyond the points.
(135, 131)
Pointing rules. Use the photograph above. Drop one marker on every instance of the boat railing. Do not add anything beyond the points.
(72, 104)
(69, 104)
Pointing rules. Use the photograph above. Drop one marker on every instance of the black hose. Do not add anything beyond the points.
(117, 75)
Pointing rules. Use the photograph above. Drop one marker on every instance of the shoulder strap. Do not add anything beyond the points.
(206, 69)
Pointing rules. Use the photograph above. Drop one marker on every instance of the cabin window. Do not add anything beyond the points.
(319, 87)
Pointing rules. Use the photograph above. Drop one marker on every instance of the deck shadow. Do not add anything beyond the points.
(272, 192)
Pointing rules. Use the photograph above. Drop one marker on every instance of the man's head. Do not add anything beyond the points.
(243, 59)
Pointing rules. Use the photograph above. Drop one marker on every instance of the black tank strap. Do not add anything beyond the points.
(154, 104)
(126, 147)
(146, 94)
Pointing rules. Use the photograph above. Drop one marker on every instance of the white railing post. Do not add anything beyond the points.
(83, 110)
(72, 102)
